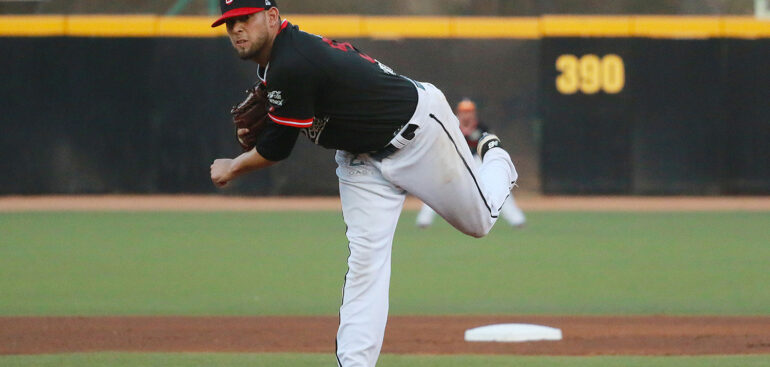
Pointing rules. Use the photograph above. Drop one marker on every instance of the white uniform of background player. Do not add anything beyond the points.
(469, 125)
(426, 157)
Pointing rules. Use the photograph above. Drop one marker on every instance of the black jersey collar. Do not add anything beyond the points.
(262, 73)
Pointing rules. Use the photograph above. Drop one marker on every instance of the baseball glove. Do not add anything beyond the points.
(251, 114)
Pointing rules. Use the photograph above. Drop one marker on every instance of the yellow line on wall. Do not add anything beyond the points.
(678, 27)
(32, 26)
(496, 27)
(586, 26)
(355, 26)
(186, 26)
(109, 26)
(741, 27)
(330, 25)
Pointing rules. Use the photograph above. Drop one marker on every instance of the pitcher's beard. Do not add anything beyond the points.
(247, 54)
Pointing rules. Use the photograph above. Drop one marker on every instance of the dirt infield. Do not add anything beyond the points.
(230, 203)
(594, 335)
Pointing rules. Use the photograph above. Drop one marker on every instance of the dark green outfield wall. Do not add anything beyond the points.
(93, 115)
(692, 118)
(747, 117)
(148, 115)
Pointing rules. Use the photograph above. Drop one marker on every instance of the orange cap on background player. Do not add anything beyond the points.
(236, 8)
(466, 105)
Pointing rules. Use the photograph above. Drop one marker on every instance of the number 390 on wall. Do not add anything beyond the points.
(590, 74)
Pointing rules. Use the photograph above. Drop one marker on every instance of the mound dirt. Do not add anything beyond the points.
(586, 335)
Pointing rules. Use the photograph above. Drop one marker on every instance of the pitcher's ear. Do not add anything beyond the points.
(275, 16)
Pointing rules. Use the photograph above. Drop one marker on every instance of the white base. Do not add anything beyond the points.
(512, 333)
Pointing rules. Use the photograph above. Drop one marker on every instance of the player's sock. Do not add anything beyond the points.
(487, 142)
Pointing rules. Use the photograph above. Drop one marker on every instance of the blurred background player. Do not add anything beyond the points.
(472, 129)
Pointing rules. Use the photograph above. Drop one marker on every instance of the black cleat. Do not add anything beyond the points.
(487, 142)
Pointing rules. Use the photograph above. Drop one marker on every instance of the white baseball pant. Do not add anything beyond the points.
(436, 166)
(510, 211)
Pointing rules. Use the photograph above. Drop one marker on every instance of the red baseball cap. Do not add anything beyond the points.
(236, 8)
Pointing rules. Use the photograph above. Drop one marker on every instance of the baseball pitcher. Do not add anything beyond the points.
(393, 136)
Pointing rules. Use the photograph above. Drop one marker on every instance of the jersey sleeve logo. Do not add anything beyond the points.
(275, 98)
(314, 132)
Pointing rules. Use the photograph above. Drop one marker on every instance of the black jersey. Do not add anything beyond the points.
(336, 95)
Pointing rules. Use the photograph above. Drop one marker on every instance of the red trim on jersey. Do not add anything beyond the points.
(284, 24)
(291, 122)
(235, 13)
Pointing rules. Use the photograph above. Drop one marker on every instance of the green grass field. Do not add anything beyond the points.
(292, 263)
